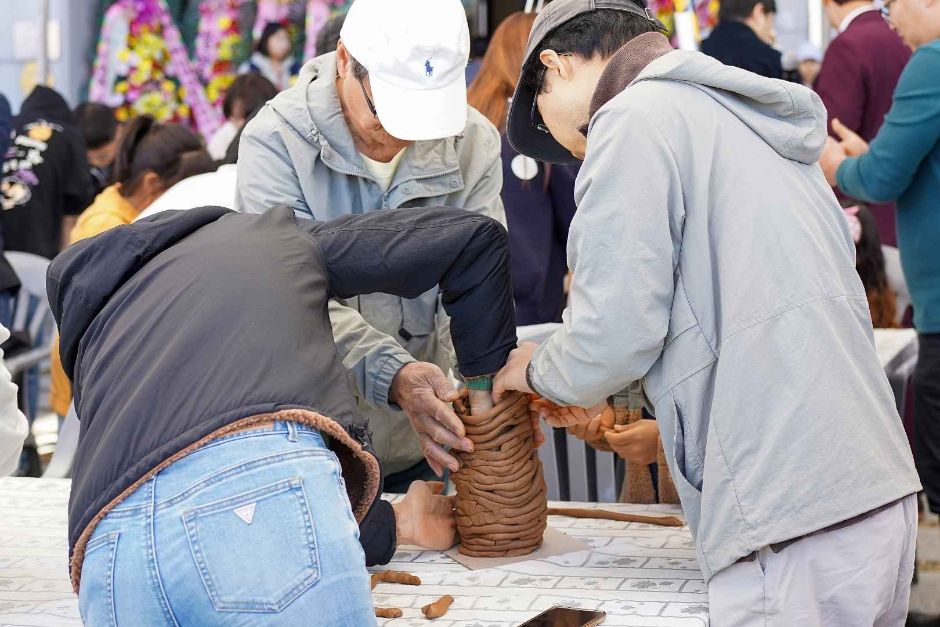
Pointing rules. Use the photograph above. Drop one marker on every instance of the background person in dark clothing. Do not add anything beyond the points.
(744, 37)
(856, 83)
(45, 180)
(538, 198)
(242, 427)
(6, 125)
(102, 133)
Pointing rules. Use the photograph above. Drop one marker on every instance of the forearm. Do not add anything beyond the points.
(407, 252)
(378, 534)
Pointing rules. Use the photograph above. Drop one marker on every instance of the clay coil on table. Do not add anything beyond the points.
(501, 505)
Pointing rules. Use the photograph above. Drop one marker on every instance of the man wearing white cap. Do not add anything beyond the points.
(383, 123)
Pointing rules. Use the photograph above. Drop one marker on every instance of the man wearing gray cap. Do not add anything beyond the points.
(383, 123)
(713, 264)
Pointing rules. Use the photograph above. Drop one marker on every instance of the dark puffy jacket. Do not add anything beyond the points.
(538, 214)
(180, 326)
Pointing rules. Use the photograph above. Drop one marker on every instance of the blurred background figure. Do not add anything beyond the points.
(803, 64)
(102, 133)
(538, 197)
(870, 263)
(745, 36)
(46, 179)
(6, 125)
(857, 80)
(13, 425)
(272, 57)
(249, 92)
(328, 36)
(216, 189)
(151, 158)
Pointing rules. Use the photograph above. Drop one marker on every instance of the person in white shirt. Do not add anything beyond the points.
(247, 93)
(13, 425)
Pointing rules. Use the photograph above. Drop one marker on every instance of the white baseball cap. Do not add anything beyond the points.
(416, 52)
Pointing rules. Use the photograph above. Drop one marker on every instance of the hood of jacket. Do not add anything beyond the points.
(82, 281)
(45, 103)
(790, 118)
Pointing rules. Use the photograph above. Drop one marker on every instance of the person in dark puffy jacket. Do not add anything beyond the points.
(223, 464)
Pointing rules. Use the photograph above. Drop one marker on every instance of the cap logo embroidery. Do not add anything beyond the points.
(428, 68)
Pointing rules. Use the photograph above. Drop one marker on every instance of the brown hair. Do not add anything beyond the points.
(171, 151)
(491, 89)
(870, 263)
(251, 90)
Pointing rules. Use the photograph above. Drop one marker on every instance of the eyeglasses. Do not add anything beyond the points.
(369, 102)
(535, 115)
(886, 9)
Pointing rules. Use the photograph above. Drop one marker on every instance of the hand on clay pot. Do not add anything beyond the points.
(564, 417)
(593, 432)
(425, 394)
(425, 518)
(513, 375)
(637, 442)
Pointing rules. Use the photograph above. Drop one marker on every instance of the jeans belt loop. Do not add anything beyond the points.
(292, 431)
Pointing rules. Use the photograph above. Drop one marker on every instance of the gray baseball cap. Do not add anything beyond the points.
(521, 128)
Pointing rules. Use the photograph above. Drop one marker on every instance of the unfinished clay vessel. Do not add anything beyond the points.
(501, 505)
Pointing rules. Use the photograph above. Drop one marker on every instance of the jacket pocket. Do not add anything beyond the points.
(96, 596)
(256, 551)
(689, 495)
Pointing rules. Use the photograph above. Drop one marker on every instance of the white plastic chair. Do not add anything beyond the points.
(60, 466)
(31, 314)
(896, 281)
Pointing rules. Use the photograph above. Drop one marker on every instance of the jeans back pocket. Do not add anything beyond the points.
(257, 551)
(96, 595)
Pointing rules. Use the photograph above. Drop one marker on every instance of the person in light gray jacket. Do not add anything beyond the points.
(383, 123)
(712, 262)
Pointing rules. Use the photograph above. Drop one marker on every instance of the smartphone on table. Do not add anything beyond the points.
(561, 616)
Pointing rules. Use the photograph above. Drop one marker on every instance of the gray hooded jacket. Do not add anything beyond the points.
(298, 152)
(712, 262)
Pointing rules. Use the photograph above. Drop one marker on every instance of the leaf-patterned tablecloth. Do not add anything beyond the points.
(638, 574)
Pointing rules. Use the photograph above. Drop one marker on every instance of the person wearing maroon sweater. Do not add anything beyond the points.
(857, 80)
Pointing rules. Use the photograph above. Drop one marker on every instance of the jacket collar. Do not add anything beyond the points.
(313, 108)
(854, 15)
(625, 66)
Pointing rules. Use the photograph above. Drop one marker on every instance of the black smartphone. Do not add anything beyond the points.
(560, 616)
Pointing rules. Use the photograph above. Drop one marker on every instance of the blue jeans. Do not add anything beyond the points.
(254, 528)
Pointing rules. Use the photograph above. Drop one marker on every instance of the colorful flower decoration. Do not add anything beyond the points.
(706, 13)
(142, 68)
(217, 42)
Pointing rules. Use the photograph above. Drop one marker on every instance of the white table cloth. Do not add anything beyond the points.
(638, 574)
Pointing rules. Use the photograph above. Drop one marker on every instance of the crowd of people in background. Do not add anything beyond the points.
(323, 141)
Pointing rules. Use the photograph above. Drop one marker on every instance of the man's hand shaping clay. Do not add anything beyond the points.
(425, 394)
